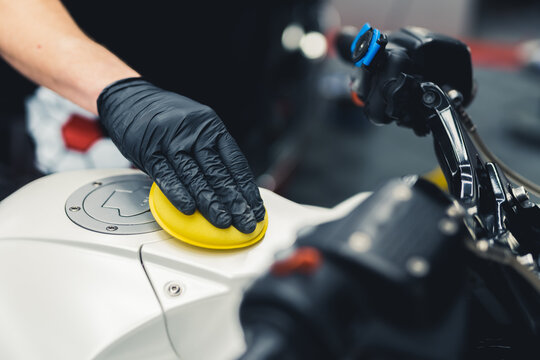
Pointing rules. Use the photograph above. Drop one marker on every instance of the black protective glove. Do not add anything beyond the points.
(186, 149)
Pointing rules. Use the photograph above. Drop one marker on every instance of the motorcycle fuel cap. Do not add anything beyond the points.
(196, 230)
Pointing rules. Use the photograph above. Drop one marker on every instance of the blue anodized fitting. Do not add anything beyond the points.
(373, 45)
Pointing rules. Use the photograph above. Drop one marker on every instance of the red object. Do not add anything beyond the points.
(494, 54)
(331, 36)
(304, 260)
(80, 133)
(356, 99)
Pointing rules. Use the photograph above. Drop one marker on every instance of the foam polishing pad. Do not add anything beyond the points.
(196, 230)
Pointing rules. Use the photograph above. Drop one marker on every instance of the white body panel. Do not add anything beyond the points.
(71, 293)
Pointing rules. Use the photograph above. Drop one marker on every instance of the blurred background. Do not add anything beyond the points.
(282, 91)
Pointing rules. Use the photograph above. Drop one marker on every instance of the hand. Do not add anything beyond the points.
(186, 149)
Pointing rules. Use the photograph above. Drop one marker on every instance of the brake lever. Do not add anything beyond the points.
(458, 161)
(504, 212)
(500, 209)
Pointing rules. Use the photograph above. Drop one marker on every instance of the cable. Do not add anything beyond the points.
(519, 179)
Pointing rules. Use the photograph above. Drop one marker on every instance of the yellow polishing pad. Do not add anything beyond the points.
(196, 230)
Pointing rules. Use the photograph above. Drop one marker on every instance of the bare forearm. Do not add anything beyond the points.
(39, 38)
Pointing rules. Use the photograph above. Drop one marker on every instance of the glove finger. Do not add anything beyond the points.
(219, 178)
(238, 166)
(169, 183)
(207, 200)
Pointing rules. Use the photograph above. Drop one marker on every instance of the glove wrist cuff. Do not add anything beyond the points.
(115, 86)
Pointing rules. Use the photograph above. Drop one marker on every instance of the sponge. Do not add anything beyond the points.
(196, 230)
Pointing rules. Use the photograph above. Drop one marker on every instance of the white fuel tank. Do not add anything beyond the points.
(86, 273)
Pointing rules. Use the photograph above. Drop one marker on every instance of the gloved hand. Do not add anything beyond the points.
(186, 149)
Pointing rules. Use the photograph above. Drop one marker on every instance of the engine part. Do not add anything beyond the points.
(378, 282)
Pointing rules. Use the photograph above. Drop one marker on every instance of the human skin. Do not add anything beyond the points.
(41, 40)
